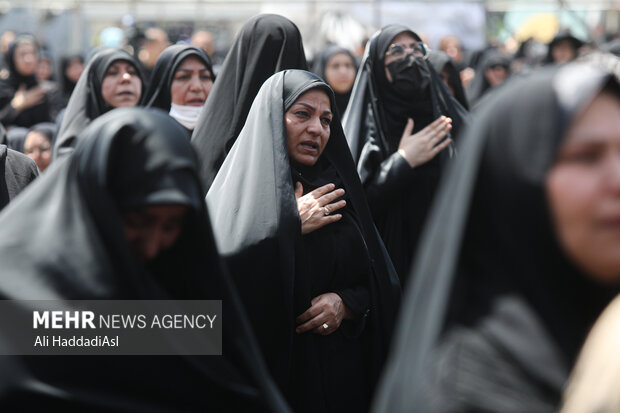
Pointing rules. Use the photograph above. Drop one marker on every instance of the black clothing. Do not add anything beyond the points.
(128, 158)
(86, 101)
(319, 66)
(441, 62)
(16, 172)
(158, 93)
(497, 309)
(42, 112)
(480, 85)
(399, 196)
(267, 44)
(278, 271)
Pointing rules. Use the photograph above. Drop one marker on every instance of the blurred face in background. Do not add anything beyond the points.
(452, 47)
(26, 58)
(563, 51)
(39, 149)
(583, 188)
(121, 86)
(340, 72)
(496, 74)
(44, 69)
(74, 70)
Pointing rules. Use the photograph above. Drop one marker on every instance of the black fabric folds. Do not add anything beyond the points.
(128, 157)
(497, 313)
(158, 93)
(258, 231)
(86, 102)
(267, 44)
(319, 65)
(399, 196)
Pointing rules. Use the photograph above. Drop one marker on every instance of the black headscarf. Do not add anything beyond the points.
(267, 44)
(127, 158)
(8, 87)
(158, 93)
(320, 64)
(442, 61)
(257, 224)
(480, 85)
(66, 84)
(490, 260)
(374, 123)
(86, 102)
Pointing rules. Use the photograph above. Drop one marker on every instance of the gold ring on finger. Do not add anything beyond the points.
(326, 211)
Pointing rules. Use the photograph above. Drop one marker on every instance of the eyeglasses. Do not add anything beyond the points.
(418, 49)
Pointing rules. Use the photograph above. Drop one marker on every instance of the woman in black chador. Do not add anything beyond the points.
(23, 101)
(293, 223)
(266, 44)
(521, 253)
(111, 79)
(124, 218)
(399, 121)
(181, 81)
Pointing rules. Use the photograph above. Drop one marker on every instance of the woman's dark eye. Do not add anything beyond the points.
(182, 77)
(112, 73)
(302, 113)
(326, 121)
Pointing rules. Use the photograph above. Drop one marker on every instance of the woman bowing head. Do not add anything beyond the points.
(293, 223)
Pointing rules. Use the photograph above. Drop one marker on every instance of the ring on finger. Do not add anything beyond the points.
(326, 211)
(325, 326)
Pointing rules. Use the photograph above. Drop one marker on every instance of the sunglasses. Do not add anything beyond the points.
(417, 49)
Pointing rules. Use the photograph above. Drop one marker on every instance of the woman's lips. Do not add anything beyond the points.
(195, 102)
(310, 147)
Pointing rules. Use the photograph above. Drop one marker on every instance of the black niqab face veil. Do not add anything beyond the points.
(267, 44)
(489, 257)
(252, 202)
(86, 102)
(158, 94)
(127, 158)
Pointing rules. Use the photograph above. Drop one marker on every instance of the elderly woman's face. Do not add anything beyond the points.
(307, 127)
(191, 83)
(121, 85)
(583, 188)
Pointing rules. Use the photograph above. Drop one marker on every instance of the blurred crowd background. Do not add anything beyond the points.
(145, 27)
